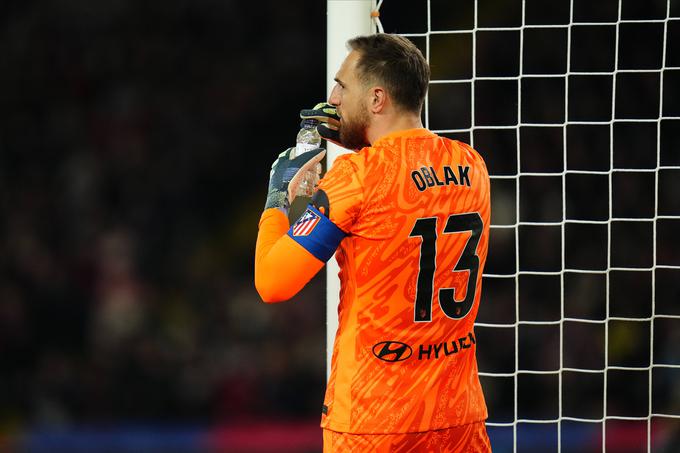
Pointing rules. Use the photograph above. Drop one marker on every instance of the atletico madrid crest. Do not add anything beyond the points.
(306, 224)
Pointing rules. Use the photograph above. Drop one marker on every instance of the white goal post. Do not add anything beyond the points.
(345, 19)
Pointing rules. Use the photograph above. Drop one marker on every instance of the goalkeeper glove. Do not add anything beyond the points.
(327, 115)
(286, 175)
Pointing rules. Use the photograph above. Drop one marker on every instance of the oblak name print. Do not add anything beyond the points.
(427, 177)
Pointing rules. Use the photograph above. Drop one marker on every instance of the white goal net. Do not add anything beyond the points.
(575, 106)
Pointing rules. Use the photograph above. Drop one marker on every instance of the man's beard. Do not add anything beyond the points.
(353, 132)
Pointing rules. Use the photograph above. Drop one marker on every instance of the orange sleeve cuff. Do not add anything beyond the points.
(282, 266)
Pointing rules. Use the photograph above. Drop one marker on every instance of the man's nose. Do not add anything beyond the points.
(334, 99)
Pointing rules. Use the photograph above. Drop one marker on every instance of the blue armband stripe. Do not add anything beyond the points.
(316, 233)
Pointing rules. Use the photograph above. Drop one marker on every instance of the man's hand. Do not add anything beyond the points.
(329, 121)
(286, 175)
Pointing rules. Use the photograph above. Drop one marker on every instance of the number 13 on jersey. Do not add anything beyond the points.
(426, 229)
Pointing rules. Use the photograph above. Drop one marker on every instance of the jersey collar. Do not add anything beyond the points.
(406, 133)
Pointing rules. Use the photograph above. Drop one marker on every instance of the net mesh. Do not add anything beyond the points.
(574, 106)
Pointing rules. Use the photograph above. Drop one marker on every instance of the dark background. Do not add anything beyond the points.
(135, 145)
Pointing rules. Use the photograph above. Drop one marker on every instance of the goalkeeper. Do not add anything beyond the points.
(407, 217)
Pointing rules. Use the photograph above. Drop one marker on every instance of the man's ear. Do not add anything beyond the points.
(378, 100)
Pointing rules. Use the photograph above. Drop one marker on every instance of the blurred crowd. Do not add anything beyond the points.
(135, 145)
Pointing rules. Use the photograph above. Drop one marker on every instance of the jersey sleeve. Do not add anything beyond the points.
(282, 267)
(287, 258)
(340, 194)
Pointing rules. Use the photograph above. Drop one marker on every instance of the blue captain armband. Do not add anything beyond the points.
(317, 234)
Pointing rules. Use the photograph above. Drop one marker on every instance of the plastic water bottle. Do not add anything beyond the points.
(308, 139)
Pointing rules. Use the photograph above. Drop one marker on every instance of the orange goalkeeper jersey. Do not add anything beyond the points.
(411, 215)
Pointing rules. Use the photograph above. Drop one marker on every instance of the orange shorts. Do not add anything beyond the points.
(470, 438)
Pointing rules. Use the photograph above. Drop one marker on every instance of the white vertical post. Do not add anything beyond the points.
(345, 19)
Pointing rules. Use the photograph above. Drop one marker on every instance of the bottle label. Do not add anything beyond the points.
(302, 148)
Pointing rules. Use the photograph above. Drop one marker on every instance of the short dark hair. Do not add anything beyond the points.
(395, 62)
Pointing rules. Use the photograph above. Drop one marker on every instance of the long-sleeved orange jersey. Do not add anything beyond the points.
(411, 217)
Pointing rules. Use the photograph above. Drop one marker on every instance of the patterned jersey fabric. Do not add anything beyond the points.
(415, 211)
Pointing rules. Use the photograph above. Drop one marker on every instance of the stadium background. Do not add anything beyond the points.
(135, 145)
